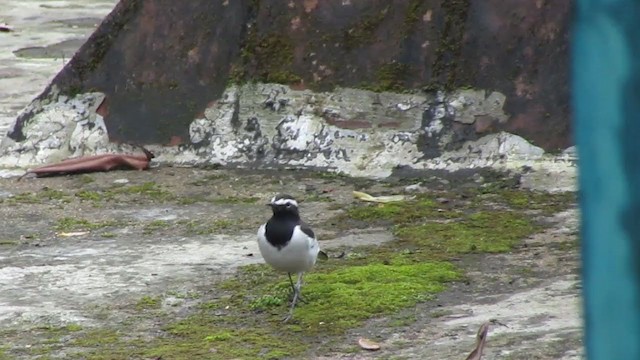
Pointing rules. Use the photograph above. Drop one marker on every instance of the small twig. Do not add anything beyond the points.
(5, 28)
(497, 322)
(481, 340)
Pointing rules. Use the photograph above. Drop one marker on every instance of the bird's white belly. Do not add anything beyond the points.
(297, 256)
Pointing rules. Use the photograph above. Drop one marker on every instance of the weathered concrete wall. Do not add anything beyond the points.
(484, 81)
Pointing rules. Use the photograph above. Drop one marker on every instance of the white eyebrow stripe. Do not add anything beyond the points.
(284, 202)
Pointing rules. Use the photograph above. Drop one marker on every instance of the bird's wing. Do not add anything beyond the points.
(261, 231)
(313, 243)
(314, 247)
(307, 230)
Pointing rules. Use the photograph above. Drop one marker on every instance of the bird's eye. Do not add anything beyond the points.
(288, 206)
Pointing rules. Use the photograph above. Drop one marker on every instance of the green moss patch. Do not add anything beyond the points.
(546, 203)
(52, 194)
(202, 335)
(389, 77)
(100, 344)
(42, 196)
(51, 339)
(78, 224)
(448, 64)
(485, 232)
(155, 225)
(265, 58)
(363, 32)
(485, 220)
(197, 337)
(148, 302)
(345, 297)
(145, 191)
(397, 212)
(209, 179)
(88, 195)
(85, 179)
(235, 200)
(415, 11)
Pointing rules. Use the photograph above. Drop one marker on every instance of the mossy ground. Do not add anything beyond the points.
(246, 321)
(241, 315)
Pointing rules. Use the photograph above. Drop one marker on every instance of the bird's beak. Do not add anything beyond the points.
(269, 205)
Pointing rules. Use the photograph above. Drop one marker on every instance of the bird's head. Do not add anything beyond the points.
(283, 204)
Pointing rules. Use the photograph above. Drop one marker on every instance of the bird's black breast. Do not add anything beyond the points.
(278, 232)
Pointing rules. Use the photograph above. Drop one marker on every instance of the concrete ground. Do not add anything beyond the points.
(46, 34)
(81, 249)
(67, 257)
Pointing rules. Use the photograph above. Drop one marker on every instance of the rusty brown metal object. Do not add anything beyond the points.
(160, 63)
(95, 163)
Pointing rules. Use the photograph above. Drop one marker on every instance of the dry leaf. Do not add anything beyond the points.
(481, 340)
(367, 344)
(378, 199)
(75, 233)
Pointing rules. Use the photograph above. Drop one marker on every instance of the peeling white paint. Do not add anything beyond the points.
(58, 130)
(435, 127)
(357, 132)
(495, 150)
(469, 103)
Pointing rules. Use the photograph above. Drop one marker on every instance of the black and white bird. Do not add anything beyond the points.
(287, 243)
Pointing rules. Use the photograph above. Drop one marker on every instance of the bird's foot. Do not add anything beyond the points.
(288, 317)
(296, 298)
(293, 305)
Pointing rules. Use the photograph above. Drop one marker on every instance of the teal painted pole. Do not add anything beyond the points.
(606, 109)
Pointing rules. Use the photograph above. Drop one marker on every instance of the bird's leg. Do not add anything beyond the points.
(293, 288)
(296, 297)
